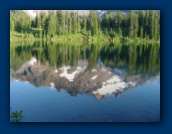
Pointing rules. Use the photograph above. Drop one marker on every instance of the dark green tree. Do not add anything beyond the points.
(38, 21)
(146, 25)
(94, 23)
(119, 19)
(43, 19)
(141, 23)
(74, 23)
(151, 24)
(69, 23)
(135, 25)
(131, 23)
(17, 116)
(51, 24)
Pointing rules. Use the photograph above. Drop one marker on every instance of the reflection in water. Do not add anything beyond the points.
(98, 69)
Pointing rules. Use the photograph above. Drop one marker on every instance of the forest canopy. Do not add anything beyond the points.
(143, 24)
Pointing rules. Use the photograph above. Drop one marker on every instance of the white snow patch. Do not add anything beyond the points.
(113, 80)
(80, 69)
(94, 77)
(94, 70)
(52, 84)
(26, 82)
(71, 76)
(32, 13)
(32, 61)
(16, 80)
(56, 71)
(102, 12)
(112, 85)
(132, 84)
(64, 68)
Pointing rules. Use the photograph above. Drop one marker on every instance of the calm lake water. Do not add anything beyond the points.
(88, 82)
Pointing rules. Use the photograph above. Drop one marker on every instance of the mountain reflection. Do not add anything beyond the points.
(97, 69)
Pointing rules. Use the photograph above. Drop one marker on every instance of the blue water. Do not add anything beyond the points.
(42, 104)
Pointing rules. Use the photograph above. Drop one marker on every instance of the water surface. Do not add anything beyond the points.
(83, 82)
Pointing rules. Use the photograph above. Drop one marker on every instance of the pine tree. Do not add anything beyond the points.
(69, 24)
(141, 32)
(94, 23)
(84, 23)
(78, 24)
(46, 26)
(119, 19)
(52, 24)
(131, 21)
(156, 27)
(38, 21)
(135, 25)
(63, 23)
(151, 23)
(146, 25)
(21, 24)
(42, 18)
(141, 23)
(74, 23)
(59, 21)
(105, 21)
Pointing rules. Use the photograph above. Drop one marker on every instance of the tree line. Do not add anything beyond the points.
(136, 58)
(19, 21)
(143, 24)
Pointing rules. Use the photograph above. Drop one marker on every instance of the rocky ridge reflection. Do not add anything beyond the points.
(97, 69)
(101, 81)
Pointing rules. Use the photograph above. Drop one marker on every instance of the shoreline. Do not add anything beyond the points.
(86, 39)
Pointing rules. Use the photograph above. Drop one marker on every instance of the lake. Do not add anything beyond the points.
(85, 82)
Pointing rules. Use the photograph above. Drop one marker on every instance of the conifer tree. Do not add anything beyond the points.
(119, 19)
(135, 25)
(52, 24)
(131, 23)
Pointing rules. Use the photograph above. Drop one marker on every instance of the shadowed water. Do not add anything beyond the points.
(74, 82)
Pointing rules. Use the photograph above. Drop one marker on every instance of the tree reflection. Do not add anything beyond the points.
(140, 62)
(135, 58)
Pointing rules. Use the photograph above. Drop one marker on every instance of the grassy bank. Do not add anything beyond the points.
(34, 34)
(72, 37)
